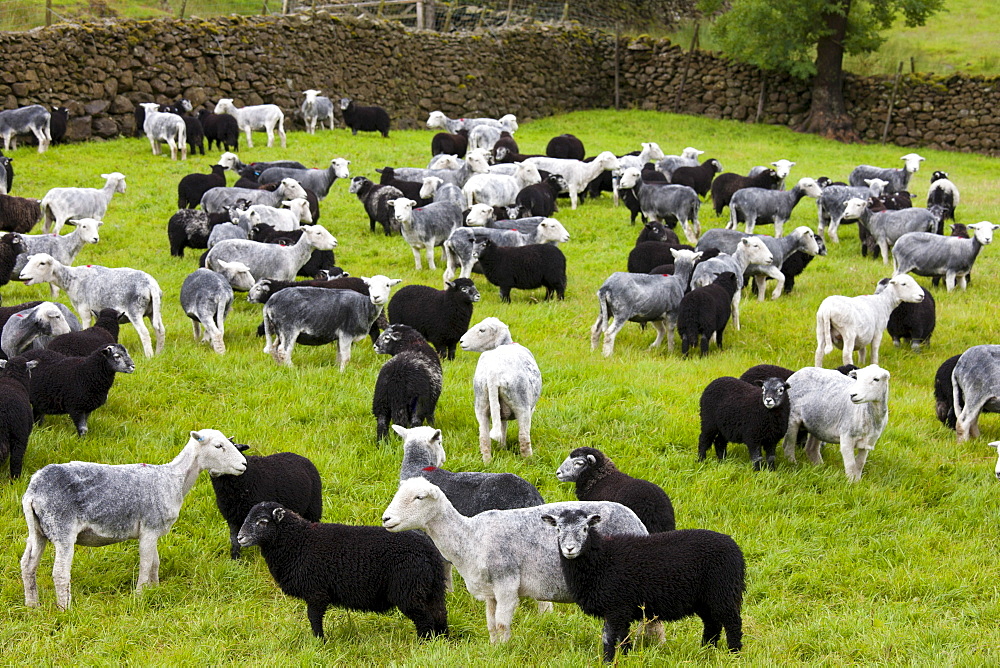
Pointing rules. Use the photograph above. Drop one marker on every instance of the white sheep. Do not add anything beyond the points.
(261, 116)
(578, 174)
(499, 189)
(164, 127)
(851, 410)
(507, 385)
(84, 503)
(856, 322)
(272, 260)
(61, 204)
(131, 292)
(283, 220)
(316, 108)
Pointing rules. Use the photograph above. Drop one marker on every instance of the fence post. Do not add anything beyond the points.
(687, 66)
(762, 97)
(617, 65)
(48, 12)
(420, 15)
(892, 102)
(180, 13)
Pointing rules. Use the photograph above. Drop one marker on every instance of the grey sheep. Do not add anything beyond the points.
(316, 180)
(21, 329)
(666, 203)
(217, 199)
(33, 118)
(207, 298)
(887, 226)
(761, 205)
(425, 227)
(63, 248)
(975, 386)
(271, 260)
(750, 250)
(832, 203)
(726, 185)
(316, 108)
(927, 254)
(897, 178)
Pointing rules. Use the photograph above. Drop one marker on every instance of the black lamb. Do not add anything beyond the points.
(57, 124)
(739, 412)
(15, 411)
(191, 188)
(367, 119)
(409, 384)
(656, 231)
(195, 134)
(944, 393)
(565, 146)
(75, 385)
(725, 185)
(441, 316)
(704, 313)
(190, 228)
(284, 477)
(913, 322)
(19, 214)
(505, 149)
(598, 479)
(450, 144)
(375, 198)
(354, 567)
(220, 129)
(539, 199)
(103, 332)
(666, 576)
(410, 189)
(523, 267)
(648, 254)
(11, 245)
(699, 178)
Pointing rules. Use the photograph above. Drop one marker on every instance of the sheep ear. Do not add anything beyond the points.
(787, 386)
(436, 436)
(450, 284)
(548, 519)
(196, 436)
(278, 514)
(853, 373)
(242, 447)
(758, 383)
(399, 430)
(593, 520)
(3, 364)
(592, 459)
(394, 281)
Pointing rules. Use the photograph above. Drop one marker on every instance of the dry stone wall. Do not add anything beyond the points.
(100, 72)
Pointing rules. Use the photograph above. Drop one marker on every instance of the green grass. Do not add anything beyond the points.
(898, 568)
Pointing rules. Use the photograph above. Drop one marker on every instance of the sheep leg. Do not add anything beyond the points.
(966, 422)
(712, 630)
(544, 607)
(249, 140)
(883, 246)
(962, 281)
(80, 421)
(689, 232)
(949, 281)
(491, 617)
(506, 604)
(234, 545)
(735, 308)
(791, 436)
(875, 346)
(33, 549)
(574, 198)
(704, 442)
(524, 432)
(720, 444)
(269, 130)
(156, 146)
(416, 258)
(430, 256)
(779, 278)
(281, 132)
(140, 329)
(834, 224)
(483, 417)
(344, 342)
(847, 355)
(614, 635)
(661, 333)
(315, 611)
(850, 464)
(149, 561)
(751, 223)
(196, 326)
(61, 572)
(218, 336)
(860, 457)
(54, 290)
(813, 450)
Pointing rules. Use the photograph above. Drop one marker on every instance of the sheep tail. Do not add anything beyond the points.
(823, 338)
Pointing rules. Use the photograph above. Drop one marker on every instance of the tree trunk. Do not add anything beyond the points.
(827, 113)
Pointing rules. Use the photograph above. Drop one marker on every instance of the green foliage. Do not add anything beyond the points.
(898, 568)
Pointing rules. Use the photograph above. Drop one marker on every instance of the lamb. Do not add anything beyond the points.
(523, 267)
(217, 199)
(539, 199)
(314, 316)
(831, 205)
(857, 322)
(441, 316)
(914, 322)
(851, 410)
(726, 185)
(886, 227)
(427, 226)
(698, 178)
(165, 127)
(642, 298)
(15, 411)
(576, 172)
(103, 332)
(61, 204)
(665, 203)
(752, 413)
(207, 298)
(375, 199)
(655, 231)
(316, 108)
(21, 329)
(221, 129)
(782, 168)
(750, 250)
(354, 567)
(284, 477)
(446, 143)
(927, 254)
(63, 248)
(754, 205)
(687, 158)
(19, 214)
(565, 146)
(99, 504)
(505, 149)
(507, 385)
(11, 246)
(500, 189)
(598, 479)
(458, 248)
(281, 220)
(666, 576)
(193, 187)
(704, 313)
(262, 116)
(975, 388)
(271, 260)
(501, 554)
(409, 384)
(943, 193)
(897, 178)
(316, 180)
(34, 119)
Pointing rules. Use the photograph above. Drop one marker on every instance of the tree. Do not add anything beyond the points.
(808, 39)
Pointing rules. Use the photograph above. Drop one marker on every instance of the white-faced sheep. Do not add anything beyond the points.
(500, 189)
(267, 117)
(975, 388)
(61, 204)
(19, 214)
(750, 250)
(368, 119)
(34, 119)
(217, 199)
(888, 225)
(927, 254)
(502, 555)
(409, 384)
(316, 108)
(458, 248)
(735, 411)
(913, 322)
(23, 328)
(354, 567)
(598, 479)
(284, 477)
(63, 248)
(99, 504)
(782, 168)
(761, 205)
(576, 172)
(131, 292)
(897, 178)
(425, 227)
(854, 323)
(523, 267)
(291, 218)
(272, 260)
(665, 203)
(316, 180)
(687, 158)
(507, 385)
(441, 316)
(704, 313)
(831, 205)
(161, 127)
(665, 576)
(850, 410)
(16, 418)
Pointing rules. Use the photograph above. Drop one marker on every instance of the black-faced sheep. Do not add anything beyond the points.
(368, 119)
(943, 193)
(700, 177)
(409, 384)
(704, 313)
(103, 332)
(11, 245)
(913, 322)
(191, 228)
(667, 576)
(354, 567)
(598, 479)
(284, 477)
(375, 198)
(441, 316)
(740, 412)
(15, 411)
(539, 199)
(220, 129)
(193, 187)
(524, 268)
(656, 231)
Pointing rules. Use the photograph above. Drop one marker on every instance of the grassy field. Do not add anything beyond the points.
(898, 568)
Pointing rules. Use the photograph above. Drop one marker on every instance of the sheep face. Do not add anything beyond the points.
(478, 161)
(319, 237)
(225, 106)
(854, 208)
(87, 229)
(230, 161)
(261, 524)
(912, 161)
(756, 251)
(431, 184)
(292, 189)
(551, 231)
(238, 275)
(260, 291)
(388, 340)
(479, 215)
(300, 207)
(870, 384)
(345, 102)
(379, 287)
(357, 183)
(782, 167)
(691, 153)
(216, 453)
(465, 287)
(572, 529)
(402, 208)
(118, 358)
(118, 178)
(772, 392)
(629, 178)
(340, 169)
(906, 288)
(810, 246)
(996, 469)
(937, 176)
(437, 119)
(607, 160)
(415, 504)
(810, 187)
(573, 467)
(51, 319)
(311, 95)
(39, 269)
(426, 438)
(487, 335)
(820, 245)
(983, 231)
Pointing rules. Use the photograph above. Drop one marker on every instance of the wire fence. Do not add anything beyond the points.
(441, 15)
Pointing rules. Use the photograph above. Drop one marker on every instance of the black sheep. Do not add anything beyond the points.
(103, 332)
(648, 254)
(598, 479)
(410, 189)
(445, 143)
(220, 129)
(75, 385)
(943, 193)
(539, 199)
(190, 228)
(523, 267)
(666, 576)
(375, 198)
(752, 413)
(284, 477)
(409, 384)
(699, 178)
(368, 119)
(726, 184)
(704, 313)
(11, 245)
(19, 214)
(565, 146)
(192, 187)
(15, 411)
(656, 231)
(57, 124)
(913, 322)
(195, 134)
(505, 149)
(354, 567)
(944, 393)
(441, 316)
